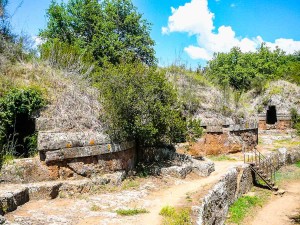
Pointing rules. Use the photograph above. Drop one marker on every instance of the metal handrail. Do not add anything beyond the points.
(262, 162)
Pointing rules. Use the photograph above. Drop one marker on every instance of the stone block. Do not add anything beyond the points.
(79, 152)
(11, 197)
(54, 141)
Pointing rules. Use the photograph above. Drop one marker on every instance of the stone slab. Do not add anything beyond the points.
(53, 141)
(79, 152)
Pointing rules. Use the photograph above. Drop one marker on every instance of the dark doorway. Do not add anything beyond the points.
(271, 115)
(24, 128)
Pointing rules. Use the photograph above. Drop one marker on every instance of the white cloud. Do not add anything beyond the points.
(288, 45)
(197, 53)
(192, 18)
(232, 5)
(37, 41)
(195, 18)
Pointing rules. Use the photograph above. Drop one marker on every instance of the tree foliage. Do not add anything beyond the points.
(5, 31)
(244, 71)
(16, 109)
(112, 30)
(140, 104)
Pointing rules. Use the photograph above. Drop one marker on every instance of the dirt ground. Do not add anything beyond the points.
(278, 210)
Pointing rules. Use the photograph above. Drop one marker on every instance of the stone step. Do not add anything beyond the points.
(54, 141)
(14, 195)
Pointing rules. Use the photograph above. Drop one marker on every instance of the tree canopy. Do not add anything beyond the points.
(244, 71)
(111, 30)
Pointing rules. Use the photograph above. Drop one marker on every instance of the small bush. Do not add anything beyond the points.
(131, 212)
(194, 129)
(16, 125)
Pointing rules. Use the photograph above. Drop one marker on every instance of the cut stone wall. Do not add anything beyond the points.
(33, 170)
(215, 205)
(82, 153)
(215, 143)
(236, 182)
(280, 125)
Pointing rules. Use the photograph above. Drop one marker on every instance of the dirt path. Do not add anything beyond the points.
(100, 209)
(276, 212)
(176, 195)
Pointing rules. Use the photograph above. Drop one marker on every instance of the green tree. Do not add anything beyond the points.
(140, 104)
(112, 30)
(244, 71)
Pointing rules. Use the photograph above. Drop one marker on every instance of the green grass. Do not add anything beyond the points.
(7, 159)
(131, 212)
(286, 143)
(221, 158)
(241, 207)
(174, 216)
(297, 164)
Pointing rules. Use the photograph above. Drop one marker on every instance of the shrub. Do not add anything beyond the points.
(16, 125)
(194, 129)
(139, 104)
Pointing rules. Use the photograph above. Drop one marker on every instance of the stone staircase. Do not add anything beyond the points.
(262, 166)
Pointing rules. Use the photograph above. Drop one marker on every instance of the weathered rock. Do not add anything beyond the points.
(202, 168)
(176, 171)
(79, 152)
(44, 190)
(25, 171)
(281, 192)
(2, 219)
(82, 169)
(11, 197)
(215, 204)
(115, 178)
(54, 141)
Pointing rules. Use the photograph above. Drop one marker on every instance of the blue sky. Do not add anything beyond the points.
(190, 31)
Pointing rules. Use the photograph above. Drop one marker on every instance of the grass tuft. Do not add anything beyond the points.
(175, 217)
(221, 158)
(131, 212)
(95, 208)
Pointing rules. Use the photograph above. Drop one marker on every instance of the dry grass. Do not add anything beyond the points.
(70, 97)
